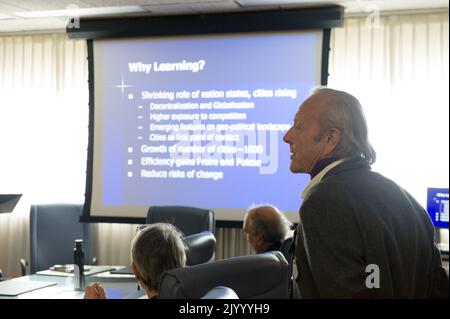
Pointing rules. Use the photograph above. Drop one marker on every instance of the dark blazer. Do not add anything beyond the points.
(355, 218)
(272, 247)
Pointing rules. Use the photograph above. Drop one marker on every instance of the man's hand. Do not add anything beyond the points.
(94, 291)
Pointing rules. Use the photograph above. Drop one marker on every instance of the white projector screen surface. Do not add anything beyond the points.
(199, 121)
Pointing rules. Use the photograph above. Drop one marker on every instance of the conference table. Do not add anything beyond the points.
(117, 286)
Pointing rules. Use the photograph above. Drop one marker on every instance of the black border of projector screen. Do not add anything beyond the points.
(237, 22)
(323, 18)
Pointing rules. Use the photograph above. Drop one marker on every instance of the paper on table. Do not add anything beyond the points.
(92, 270)
(14, 288)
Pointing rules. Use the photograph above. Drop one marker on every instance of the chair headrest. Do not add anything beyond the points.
(200, 248)
(61, 221)
(190, 220)
(255, 276)
(221, 292)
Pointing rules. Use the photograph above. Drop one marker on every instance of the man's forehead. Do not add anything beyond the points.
(311, 107)
(302, 112)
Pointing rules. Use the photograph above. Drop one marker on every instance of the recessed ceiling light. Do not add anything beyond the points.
(82, 12)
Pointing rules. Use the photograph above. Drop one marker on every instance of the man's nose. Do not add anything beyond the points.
(286, 137)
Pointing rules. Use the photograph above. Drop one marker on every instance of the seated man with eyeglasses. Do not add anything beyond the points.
(266, 229)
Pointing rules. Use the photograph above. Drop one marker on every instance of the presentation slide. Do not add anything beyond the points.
(199, 121)
(437, 206)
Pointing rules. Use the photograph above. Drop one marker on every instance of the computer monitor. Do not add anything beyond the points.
(437, 206)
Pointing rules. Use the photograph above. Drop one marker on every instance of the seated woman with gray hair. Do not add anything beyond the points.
(155, 249)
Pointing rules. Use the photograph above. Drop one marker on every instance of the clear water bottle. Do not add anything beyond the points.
(78, 271)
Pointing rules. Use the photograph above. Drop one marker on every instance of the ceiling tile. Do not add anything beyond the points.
(43, 5)
(109, 3)
(213, 7)
(169, 9)
(7, 8)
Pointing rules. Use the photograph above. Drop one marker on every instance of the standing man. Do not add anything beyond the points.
(360, 234)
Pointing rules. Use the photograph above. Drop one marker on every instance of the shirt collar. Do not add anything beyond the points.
(319, 177)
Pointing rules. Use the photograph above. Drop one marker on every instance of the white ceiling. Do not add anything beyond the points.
(10, 10)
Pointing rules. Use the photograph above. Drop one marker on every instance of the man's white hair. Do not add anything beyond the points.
(345, 113)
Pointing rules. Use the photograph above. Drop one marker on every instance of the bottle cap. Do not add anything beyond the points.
(78, 242)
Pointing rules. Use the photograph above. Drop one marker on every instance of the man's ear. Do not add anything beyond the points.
(260, 239)
(332, 138)
(135, 271)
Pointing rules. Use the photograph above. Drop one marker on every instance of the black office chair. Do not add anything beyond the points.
(254, 276)
(287, 249)
(189, 220)
(200, 248)
(220, 292)
(53, 230)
